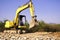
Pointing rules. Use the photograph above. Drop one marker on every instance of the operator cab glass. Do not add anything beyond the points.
(21, 20)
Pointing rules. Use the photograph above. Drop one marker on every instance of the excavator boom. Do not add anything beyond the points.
(20, 9)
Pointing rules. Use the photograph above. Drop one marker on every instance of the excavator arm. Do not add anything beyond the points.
(20, 9)
(25, 6)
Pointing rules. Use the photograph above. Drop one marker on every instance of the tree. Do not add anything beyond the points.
(1, 26)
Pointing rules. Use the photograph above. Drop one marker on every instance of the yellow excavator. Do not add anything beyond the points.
(17, 23)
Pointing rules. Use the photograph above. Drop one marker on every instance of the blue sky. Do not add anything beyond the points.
(46, 10)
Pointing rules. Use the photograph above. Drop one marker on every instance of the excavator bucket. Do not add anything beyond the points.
(33, 22)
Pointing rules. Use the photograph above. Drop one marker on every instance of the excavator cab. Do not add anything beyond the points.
(21, 21)
(22, 27)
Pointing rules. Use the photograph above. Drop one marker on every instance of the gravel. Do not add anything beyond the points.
(31, 36)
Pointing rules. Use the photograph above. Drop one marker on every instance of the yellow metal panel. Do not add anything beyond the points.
(8, 24)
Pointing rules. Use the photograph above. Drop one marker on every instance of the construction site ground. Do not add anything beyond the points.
(30, 36)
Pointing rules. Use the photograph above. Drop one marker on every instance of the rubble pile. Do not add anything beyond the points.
(31, 36)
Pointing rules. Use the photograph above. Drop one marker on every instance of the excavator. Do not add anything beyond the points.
(17, 24)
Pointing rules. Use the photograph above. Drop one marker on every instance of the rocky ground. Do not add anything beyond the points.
(30, 36)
